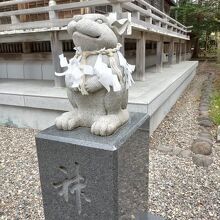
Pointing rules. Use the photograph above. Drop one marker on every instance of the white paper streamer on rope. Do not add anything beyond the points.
(106, 76)
(75, 71)
(128, 70)
(63, 61)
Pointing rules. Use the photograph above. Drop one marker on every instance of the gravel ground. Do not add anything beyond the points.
(178, 189)
(180, 126)
(20, 195)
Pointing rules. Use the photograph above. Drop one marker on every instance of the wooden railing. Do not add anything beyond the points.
(153, 18)
(144, 16)
(16, 2)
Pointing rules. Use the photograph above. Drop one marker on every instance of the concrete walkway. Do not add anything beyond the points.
(147, 96)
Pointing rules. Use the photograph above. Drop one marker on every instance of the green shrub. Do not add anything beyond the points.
(215, 108)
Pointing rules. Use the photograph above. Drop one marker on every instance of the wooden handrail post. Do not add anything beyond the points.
(164, 25)
(159, 23)
(52, 2)
(149, 19)
(52, 13)
(136, 14)
(15, 19)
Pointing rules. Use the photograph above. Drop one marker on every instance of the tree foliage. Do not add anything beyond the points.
(203, 15)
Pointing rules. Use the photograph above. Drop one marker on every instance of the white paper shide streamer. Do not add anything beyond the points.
(77, 69)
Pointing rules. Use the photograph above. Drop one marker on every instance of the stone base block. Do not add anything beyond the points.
(87, 177)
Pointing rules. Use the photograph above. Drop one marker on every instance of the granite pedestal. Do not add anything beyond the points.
(87, 177)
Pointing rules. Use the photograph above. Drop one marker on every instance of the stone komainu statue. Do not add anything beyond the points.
(97, 77)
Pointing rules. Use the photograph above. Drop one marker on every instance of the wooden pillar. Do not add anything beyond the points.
(178, 52)
(116, 7)
(140, 58)
(121, 40)
(185, 51)
(26, 47)
(159, 61)
(171, 52)
(190, 50)
(181, 51)
(136, 14)
(57, 49)
(149, 19)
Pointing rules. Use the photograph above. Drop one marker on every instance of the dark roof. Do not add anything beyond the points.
(171, 2)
